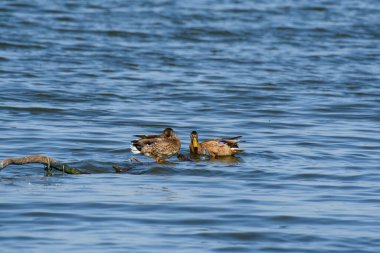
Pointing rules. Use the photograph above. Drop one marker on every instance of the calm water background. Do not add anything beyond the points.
(298, 79)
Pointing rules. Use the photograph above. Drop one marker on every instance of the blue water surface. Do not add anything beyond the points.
(299, 80)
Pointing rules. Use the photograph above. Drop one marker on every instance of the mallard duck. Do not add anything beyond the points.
(214, 147)
(159, 147)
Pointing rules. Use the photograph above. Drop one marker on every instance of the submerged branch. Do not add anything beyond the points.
(45, 160)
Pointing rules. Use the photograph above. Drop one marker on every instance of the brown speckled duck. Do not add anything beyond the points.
(214, 147)
(159, 147)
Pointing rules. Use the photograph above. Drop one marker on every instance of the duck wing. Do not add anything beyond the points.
(230, 141)
(145, 136)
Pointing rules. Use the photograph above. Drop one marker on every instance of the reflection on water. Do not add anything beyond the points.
(221, 159)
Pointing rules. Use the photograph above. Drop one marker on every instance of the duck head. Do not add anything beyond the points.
(168, 132)
(194, 144)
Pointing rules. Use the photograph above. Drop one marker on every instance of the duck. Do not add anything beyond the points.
(159, 147)
(219, 147)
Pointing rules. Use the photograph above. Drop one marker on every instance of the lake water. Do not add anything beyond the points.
(299, 80)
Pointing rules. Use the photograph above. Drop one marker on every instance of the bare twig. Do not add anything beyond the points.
(42, 159)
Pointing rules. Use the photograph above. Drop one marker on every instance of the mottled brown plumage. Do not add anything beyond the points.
(214, 147)
(159, 147)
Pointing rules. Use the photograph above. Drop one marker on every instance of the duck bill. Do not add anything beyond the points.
(194, 143)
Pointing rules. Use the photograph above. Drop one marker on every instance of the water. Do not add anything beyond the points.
(299, 80)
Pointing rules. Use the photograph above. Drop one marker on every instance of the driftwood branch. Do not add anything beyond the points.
(45, 160)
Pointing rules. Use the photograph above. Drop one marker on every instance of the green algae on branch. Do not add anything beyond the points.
(45, 160)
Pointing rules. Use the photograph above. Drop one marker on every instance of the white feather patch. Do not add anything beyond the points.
(135, 150)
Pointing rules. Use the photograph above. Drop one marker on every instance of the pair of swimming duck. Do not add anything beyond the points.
(167, 144)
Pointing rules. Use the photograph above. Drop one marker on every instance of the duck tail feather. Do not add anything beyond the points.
(135, 149)
(237, 150)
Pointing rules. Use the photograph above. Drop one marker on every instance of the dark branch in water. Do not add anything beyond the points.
(119, 169)
(45, 160)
